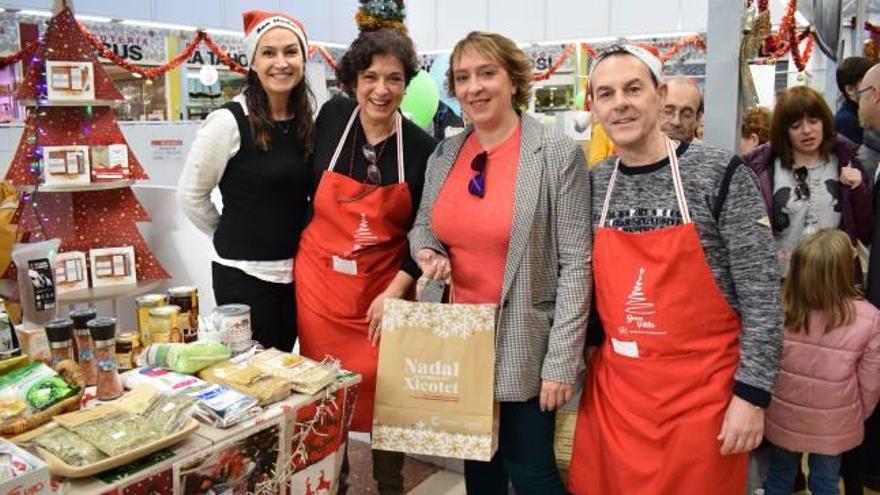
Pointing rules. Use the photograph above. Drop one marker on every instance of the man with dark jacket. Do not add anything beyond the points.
(868, 96)
(849, 74)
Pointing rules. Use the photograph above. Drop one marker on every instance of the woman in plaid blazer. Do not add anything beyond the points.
(505, 213)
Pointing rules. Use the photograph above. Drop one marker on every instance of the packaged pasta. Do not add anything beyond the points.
(305, 375)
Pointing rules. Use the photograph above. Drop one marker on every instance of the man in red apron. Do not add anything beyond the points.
(688, 295)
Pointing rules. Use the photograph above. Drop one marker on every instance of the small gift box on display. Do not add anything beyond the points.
(113, 266)
(110, 163)
(70, 81)
(66, 165)
(70, 272)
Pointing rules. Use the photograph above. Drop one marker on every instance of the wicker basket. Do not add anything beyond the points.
(71, 373)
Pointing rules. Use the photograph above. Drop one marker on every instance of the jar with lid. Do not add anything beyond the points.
(85, 351)
(144, 304)
(59, 333)
(163, 325)
(103, 332)
(187, 299)
(127, 349)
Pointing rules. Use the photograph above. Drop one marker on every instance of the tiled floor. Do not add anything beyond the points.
(419, 478)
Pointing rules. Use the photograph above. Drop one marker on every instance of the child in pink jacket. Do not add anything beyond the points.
(829, 380)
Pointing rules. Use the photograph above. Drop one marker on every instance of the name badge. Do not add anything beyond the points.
(342, 265)
(625, 348)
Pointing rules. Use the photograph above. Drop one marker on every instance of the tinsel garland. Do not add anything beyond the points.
(688, 41)
(25, 52)
(146, 73)
(544, 75)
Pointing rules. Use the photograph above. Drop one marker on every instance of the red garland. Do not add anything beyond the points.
(688, 41)
(543, 76)
(324, 53)
(232, 64)
(25, 52)
(134, 69)
(874, 32)
(588, 50)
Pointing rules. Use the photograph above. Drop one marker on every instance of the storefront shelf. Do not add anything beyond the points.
(95, 186)
(83, 103)
(106, 293)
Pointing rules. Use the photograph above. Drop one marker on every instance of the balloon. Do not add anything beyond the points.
(438, 74)
(421, 99)
(579, 100)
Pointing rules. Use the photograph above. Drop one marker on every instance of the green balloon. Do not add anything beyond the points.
(579, 100)
(421, 99)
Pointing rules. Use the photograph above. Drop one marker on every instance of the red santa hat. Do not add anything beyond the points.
(258, 22)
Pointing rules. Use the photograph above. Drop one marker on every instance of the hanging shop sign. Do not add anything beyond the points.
(233, 46)
(138, 45)
(141, 46)
(9, 41)
(542, 57)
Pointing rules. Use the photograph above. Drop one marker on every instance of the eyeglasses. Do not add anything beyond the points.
(374, 175)
(477, 184)
(802, 189)
(862, 91)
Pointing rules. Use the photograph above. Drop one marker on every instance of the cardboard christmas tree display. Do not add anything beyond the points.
(66, 141)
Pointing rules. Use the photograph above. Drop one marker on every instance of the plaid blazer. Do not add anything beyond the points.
(545, 298)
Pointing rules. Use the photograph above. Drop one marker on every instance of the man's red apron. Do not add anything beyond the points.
(350, 253)
(658, 388)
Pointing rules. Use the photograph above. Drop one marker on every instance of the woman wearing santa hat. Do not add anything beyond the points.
(255, 150)
(369, 167)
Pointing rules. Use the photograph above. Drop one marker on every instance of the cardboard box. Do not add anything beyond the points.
(34, 343)
(34, 482)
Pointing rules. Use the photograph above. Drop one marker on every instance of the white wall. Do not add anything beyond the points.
(325, 20)
(438, 24)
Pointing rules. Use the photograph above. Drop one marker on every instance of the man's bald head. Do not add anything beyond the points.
(681, 109)
(869, 99)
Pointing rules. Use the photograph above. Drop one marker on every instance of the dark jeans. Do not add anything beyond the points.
(525, 454)
(784, 464)
(273, 306)
(387, 471)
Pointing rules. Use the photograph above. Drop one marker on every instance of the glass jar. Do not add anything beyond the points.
(188, 320)
(59, 333)
(144, 304)
(103, 332)
(125, 347)
(163, 325)
(85, 349)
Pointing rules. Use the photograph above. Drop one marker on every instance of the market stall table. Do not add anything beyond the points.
(294, 446)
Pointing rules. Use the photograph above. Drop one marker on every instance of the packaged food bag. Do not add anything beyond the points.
(435, 383)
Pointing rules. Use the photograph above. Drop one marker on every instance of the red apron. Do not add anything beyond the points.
(350, 253)
(658, 388)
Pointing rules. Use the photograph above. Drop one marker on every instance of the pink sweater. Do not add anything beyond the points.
(828, 384)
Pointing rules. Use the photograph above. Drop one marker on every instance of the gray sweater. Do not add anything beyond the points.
(738, 245)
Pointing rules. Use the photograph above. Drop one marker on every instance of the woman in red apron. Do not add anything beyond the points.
(658, 389)
(354, 251)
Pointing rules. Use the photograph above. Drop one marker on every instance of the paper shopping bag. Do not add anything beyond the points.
(436, 380)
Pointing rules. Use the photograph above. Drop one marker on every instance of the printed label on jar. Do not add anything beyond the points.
(238, 332)
(123, 361)
(86, 355)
